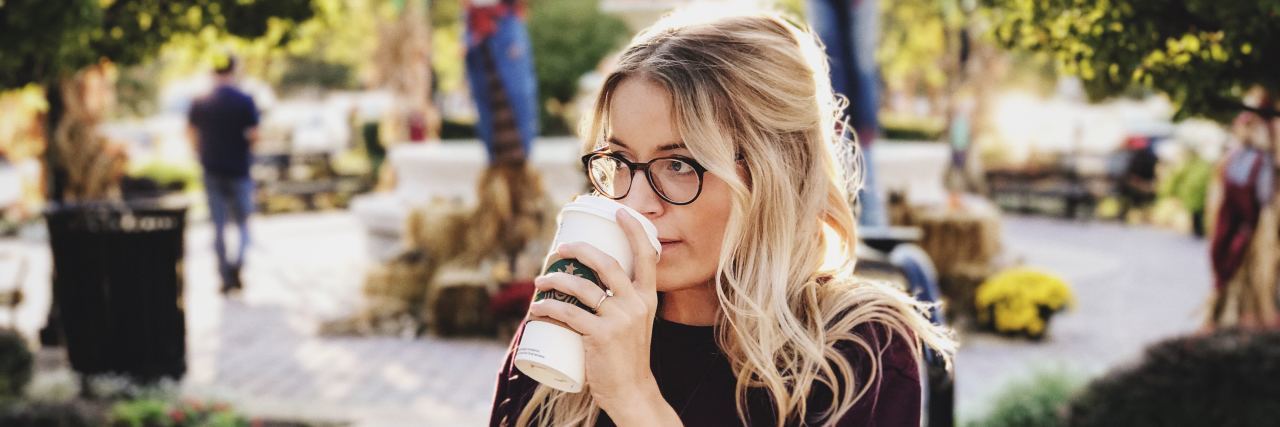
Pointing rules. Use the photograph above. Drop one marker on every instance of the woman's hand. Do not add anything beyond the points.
(617, 337)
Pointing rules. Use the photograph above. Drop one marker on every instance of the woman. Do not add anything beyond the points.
(738, 321)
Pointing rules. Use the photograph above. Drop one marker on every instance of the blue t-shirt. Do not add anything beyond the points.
(221, 120)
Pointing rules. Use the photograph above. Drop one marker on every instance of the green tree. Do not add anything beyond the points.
(569, 38)
(50, 47)
(447, 46)
(329, 50)
(1203, 53)
(918, 46)
(44, 44)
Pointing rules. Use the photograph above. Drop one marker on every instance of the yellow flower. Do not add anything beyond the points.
(1015, 298)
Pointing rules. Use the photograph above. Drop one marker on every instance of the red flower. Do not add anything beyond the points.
(179, 416)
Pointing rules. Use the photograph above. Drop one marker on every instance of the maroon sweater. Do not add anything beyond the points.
(696, 380)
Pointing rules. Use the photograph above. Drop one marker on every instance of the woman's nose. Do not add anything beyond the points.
(642, 198)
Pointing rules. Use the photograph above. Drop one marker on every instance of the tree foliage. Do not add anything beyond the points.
(1203, 53)
(569, 38)
(44, 43)
(919, 42)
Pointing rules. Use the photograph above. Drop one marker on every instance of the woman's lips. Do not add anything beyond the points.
(668, 243)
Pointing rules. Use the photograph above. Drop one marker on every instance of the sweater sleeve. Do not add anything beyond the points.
(513, 389)
(894, 396)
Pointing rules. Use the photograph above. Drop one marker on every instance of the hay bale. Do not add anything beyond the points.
(954, 239)
(461, 310)
(456, 256)
(964, 245)
(406, 278)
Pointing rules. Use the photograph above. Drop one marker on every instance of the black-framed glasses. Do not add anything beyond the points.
(676, 179)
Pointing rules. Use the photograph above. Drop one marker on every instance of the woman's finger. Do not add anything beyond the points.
(579, 289)
(646, 258)
(578, 319)
(606, 268)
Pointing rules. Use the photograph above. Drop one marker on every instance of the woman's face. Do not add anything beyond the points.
(641, 128)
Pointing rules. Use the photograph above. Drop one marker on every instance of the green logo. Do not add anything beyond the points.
(569, 266)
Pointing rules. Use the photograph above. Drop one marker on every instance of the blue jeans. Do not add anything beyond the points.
(511, 51)
(874, 213)
(848, 30)
(229, 196)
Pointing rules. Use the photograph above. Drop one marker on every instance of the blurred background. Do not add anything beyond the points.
(1088, 187)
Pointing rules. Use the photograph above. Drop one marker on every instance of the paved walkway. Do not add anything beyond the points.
(262, 349)
(1134, 286)
(262, 353)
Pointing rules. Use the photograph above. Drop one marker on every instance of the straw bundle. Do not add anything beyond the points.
(402, 63)
(94, 165)
(455, 256)
(963, 244)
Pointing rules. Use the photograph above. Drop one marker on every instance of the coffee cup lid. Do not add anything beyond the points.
(606, 208)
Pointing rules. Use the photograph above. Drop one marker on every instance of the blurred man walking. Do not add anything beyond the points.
(224, 127)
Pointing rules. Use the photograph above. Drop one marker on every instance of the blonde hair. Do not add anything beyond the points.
(757, 85)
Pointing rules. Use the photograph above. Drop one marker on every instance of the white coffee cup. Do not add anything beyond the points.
(551, 352)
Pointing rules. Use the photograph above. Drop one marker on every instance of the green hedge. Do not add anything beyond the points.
(16, 364)
(1229, 378)
(1038, 401)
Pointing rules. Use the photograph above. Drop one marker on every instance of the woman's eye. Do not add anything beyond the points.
(680, 167)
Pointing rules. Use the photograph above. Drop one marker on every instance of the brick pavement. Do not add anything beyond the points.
(1134, 286)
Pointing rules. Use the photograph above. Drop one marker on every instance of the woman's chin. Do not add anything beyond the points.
(677, 282)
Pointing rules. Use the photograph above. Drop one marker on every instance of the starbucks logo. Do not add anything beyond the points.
(573, 267)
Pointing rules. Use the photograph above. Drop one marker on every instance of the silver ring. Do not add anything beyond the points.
(607, 293)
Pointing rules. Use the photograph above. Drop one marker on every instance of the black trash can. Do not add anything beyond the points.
(117, 285)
